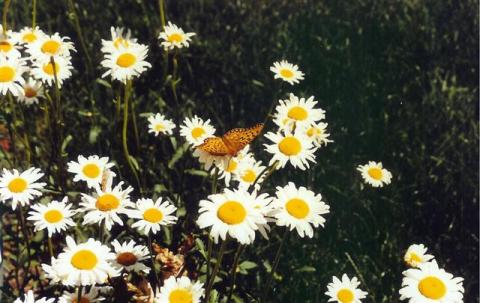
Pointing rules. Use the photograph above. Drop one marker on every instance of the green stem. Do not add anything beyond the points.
(34, 14)
(275, 265)
(357, 270)
(269, 170)
(50, 246)
(28, 148)
(6, 5)
(78, 28)
(161, 5)
(223, 246)
(209, 255)
(26, 238)
(233, 273)
(215, 180)
(152, 260)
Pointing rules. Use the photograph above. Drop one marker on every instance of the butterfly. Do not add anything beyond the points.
(232, 141)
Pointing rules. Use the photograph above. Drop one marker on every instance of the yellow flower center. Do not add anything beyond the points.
(30, 92)
(91, 170)
(5, 46)
(159, 127)
(29, 37)
(232, 166)
(414, 259)
(48, 68)
(290, 146)
(50, 47)
(232, 212)
(53, 216)
(7, 74)
(84, 260)
(153, 215)
(176, 37)
(314, 131)
(345, 295)
(107, 202)
(180, 295)
(249, 176)
(17, 185)
(82, 300)
(126, 259)
(286, 73)
(432, 288)
(297, 113)
(120, 41)
(126, 60)
(297, 208)
(197, 132)
(375, 173)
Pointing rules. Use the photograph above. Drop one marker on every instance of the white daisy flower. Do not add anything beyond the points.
(174, 37)
(20, 187)
(374, 174)
(229, 169)
(232, 213)
(195, 130)
(296, 149)
(263, 205)
(299, 208)
(47, 46)
(417, 254)
(90, 170)
(429, 284)
(180, 290)
(208, 160)
(152, 215)
(129, 255)
(84, 264)
(8, 44)
(29, 298)
(248, 172)
(31, 91)
(345, 291)
(126, 63)
(45, 71)
(91, 296)
(107, 204)
(55, 216)
(119, 39)
(11, 80)
(297, 112)
(158, 124)
(287, 72)
(27, 35)
(317, 132)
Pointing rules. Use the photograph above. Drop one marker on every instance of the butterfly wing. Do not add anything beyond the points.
(214, 146)
(237, 138)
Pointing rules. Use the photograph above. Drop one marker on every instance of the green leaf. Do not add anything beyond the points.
(178, 154)
(247, 265)
(94, 132)
(306, 269)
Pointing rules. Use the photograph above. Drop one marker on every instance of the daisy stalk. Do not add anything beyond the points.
(34, 13)
(210, 242)
(274, 267)
(233, 273)
(221, 252)
(6, 5)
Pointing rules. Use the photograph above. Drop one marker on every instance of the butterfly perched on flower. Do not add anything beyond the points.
(232, 141)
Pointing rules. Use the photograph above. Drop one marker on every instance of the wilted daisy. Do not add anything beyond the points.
(11, 80)
(20, 187)
(90, 169)
(158, 124)
(120, 38)
(180, 290)
(152, 215)
(297, 112)
(87, 297)
(45, 70)
(47, 46)
(431, 284)
(126, 63)
(27, 35)
(294, 148)
(106, 204)
(299, 208)
(287, 72)
(232, 213)
(174, 37)
(248, 172)
(195, 130)
(29, 298)
(54, 216)
(317, 132)
(32, 90)
(374, 174)
(84, 264)
(345, 291)
(129, 255)
(416, 254)
(8, 44)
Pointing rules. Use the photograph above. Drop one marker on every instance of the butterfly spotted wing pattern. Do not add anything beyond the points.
(214, 146)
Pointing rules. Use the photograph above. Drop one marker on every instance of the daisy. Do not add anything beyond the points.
(87, 297)
(47, 46)
(45, 71)
(230, 168)
(55, 216)
(345, 291)
(416, 254)
(299, 208)
(287, 72)
(232, 213)
(152, 215)
(296, 149)
(294, 112)
(31, 92)
(429, 284)
(27, 35)
(84, 264)
(173, 36)
(90, 170)
(107, 204)
(177, 290)
(11, 80)
(158, 124)
(129, 255)
(208, 160)
(374, 174)
(119, 39)
(249, 172)
(317, 132)
(29, 298)
(8, 44)
(20, 187)
(263, 205)
(195, 130)
(126, 63)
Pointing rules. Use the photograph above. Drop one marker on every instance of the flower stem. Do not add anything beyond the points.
(6, 5)
(78, 28)
(34, 14)
(26, 238)
(233, 273)
(269, 170)
(152, 260)
(161, 5)
(275, 265)
(50, 246)
(221, 252)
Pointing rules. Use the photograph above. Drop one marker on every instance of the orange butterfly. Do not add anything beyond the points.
(232, 141)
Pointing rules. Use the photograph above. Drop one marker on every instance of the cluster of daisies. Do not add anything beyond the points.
(30, 59)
